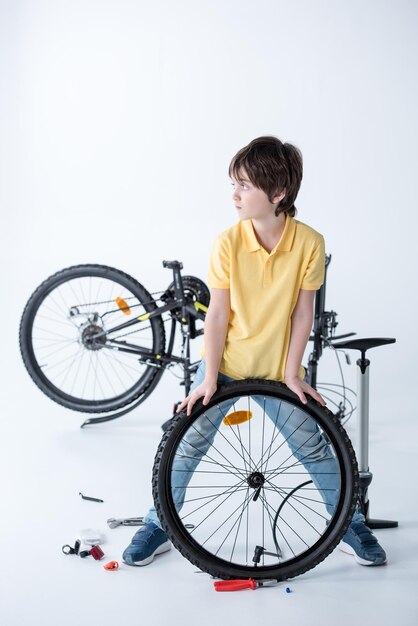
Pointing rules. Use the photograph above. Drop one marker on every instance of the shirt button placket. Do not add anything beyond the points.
(267, 273)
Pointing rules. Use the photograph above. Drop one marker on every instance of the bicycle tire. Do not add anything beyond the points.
(192, 548)
(123, 283)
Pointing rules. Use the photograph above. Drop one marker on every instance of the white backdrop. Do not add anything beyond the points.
(118, 121)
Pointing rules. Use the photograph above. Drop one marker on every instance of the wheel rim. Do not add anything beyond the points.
(62, 339)
(249, 475)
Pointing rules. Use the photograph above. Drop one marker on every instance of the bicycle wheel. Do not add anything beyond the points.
(58, 345)
(255, 484)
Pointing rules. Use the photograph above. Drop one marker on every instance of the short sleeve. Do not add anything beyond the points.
(315, 271)
(219, 264)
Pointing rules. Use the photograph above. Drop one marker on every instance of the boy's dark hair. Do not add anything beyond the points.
(271, 166)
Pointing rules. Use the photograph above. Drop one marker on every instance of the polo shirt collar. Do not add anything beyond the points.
(286, 240)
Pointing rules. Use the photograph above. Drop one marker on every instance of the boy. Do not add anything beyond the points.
(268, 261)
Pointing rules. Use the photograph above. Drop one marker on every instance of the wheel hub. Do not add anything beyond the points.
(88, 337)
(256, 480)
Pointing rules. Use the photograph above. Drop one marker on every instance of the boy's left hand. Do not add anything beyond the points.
(299, 387)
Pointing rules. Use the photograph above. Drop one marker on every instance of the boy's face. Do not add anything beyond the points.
(250, 201)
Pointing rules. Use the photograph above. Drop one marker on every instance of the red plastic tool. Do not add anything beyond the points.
(234, 585)
(237, 585)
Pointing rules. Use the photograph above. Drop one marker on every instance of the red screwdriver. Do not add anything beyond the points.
(237, 585)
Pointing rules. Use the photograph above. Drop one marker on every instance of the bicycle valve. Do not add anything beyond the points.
(259, 551)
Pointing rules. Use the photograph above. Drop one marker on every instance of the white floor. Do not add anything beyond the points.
(46, 460)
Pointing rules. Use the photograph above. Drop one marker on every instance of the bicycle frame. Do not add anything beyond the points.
(188, 313)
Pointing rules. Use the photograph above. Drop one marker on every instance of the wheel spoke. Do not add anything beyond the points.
(215, 509)
(201, 453)
(228, 492)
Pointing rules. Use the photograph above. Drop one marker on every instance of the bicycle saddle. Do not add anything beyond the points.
(173, 264)
(364, 344)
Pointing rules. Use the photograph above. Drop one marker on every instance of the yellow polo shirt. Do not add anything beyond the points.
(264, 289)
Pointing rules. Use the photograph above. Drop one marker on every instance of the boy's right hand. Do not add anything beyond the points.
(205, 389)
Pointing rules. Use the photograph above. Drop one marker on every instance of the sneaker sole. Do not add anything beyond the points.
(164, 547)
(345, 547)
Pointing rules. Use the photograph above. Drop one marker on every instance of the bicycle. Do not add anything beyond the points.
(73, 336)
(90, 303)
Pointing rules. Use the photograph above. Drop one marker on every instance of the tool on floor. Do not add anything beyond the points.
(127, 521)
(237, 585)
(89, 498)
(69, 550)
(96, 552)
(112, 566)
(113, 522)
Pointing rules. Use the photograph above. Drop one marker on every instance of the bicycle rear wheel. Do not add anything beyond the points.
(58, 345)
(269, 485)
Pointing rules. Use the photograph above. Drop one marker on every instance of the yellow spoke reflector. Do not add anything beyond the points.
(123, 305)
(238, 417)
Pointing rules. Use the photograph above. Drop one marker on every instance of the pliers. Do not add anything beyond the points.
(127, 521)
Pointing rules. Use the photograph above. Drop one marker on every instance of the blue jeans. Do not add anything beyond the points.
(300, 431)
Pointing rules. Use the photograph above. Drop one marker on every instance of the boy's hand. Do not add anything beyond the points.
(299, 386)
(206, 389)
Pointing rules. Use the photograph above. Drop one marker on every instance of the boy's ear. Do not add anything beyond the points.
(279, 196)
